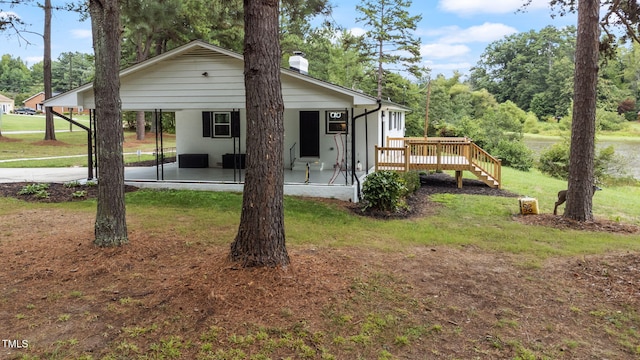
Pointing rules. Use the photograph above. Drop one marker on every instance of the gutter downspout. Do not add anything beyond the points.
(353, 144)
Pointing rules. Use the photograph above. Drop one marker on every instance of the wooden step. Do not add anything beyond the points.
(485, 178)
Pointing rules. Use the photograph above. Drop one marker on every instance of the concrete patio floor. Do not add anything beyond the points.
(205, 179)
(218, 179)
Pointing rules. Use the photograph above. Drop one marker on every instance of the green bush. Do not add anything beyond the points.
(606, 168)
(609, 121)
(32, 189)
(411, 182)
(383, 190)
(555, 160)
(514, 154)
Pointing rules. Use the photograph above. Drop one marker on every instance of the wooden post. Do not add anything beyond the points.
(459, 178)
(407, 158)
(438, 156)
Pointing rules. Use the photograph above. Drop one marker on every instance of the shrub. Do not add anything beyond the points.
(607, 166)
(609, 121)
(33, 189)
(72, 184)
(555, 161)
(383, 190)
(514, 154)
(411, 181)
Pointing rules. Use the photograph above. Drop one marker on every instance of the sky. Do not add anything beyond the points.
(453, 33)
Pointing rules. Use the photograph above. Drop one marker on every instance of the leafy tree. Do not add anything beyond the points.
(71, 70)
(389, 35)
(110, 225)
(529, 69)
(588, 46)
(630, 57)
(295, 25)
(148, 26)
(261, 238)
(15, 77)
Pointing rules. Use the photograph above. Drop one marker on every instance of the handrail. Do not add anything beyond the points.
(404, 154)
(292, 155)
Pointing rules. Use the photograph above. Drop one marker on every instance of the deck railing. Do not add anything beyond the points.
(404, 154)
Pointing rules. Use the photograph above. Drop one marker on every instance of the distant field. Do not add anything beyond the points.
(36, 123)
(31, 146)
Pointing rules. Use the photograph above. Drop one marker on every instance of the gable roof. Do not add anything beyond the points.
(33, 96)
(5, 99)
(75, 96)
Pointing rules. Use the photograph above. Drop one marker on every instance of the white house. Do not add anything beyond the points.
(6, 104)
(330, 131)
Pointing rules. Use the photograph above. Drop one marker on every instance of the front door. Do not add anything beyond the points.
(309, 134)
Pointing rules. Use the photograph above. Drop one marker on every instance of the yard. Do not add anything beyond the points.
(463, 277)
(23, 139)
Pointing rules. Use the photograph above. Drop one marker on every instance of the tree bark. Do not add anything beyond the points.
(49, 129)
(110, 226)
(583, 128)
(261, 239)
(140, 125)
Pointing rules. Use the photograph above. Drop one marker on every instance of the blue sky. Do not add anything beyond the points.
(453, 32)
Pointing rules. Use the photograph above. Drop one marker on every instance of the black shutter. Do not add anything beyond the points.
(206, 124)
(235, 124)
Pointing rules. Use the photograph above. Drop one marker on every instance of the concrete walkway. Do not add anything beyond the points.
(59, 175)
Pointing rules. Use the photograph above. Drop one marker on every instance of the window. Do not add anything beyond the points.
(222, 124)
(336, 121)
(395, 120)
(216, 124)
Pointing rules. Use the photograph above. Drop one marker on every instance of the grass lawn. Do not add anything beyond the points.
(25, 146)
(37, 123)
(466, 281)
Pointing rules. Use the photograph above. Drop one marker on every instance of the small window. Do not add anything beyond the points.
(336, 121)
(222, 124)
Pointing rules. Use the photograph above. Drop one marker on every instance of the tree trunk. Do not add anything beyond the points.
(49, 129)
(110, 226)
(140, 125)
(261, 240)
(583, 128)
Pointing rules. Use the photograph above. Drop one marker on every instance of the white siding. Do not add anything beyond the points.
(179, 83)
(189, 139)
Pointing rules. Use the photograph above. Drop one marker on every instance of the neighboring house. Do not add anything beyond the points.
(329, 130)
(6, 105)
(36, 102)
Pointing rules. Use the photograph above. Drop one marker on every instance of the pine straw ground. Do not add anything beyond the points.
(163, 296)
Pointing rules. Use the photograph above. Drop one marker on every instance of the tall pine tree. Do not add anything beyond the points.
(389, 32)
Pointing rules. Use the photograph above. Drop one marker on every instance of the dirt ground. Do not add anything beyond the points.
(68, 298)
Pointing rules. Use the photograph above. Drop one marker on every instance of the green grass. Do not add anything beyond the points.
(37, 123)
(30, 146)
(553, 130)
(482, 221)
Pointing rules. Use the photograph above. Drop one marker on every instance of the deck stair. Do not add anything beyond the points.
(484, 177)
(458, 154)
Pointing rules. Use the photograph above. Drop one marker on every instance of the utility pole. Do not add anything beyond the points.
(426, 117)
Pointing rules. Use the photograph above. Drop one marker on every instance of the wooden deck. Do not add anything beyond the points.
(458, 154)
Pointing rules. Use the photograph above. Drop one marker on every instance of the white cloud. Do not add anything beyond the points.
(81, 33)
(470, 7)
(33, 59)
(486, 32)
(462, 66)
(6, 15)
(443, 51)
(356, 31)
